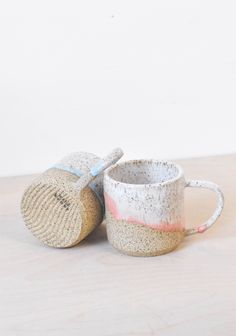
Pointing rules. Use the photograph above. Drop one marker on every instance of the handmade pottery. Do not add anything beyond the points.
(64, 204)
(144, 202)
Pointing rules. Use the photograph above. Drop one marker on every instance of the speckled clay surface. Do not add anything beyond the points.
(58, 207)
(145, 206)
(140, 240)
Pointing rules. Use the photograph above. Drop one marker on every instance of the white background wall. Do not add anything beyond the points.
(157, 78)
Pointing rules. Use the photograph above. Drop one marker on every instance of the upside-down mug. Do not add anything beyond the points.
(144, 201)
(65, 203)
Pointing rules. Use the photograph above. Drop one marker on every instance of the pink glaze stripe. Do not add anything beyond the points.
(202, 228)
(162, 226)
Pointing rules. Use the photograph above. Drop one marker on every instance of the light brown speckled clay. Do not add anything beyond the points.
(140, 240)
(64, 204)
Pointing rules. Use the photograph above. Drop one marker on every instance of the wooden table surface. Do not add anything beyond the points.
(92, 289)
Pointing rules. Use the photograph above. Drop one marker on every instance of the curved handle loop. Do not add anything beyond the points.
(220, 204)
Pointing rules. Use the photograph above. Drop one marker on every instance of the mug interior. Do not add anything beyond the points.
(144, 172)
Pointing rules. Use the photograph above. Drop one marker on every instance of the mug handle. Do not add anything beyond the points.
(220, 204)
(109, 160)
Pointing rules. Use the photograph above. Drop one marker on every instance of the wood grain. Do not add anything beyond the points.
(92, 289)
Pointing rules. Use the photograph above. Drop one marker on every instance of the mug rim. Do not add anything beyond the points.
(134, 185)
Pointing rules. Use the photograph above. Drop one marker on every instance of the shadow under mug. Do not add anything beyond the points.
(144, 201)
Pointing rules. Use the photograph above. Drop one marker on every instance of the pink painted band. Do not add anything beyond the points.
(161, 226)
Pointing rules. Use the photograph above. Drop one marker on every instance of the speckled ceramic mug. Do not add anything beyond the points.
(144, 201)
(65, 203)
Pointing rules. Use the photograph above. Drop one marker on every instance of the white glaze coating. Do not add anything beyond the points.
(148, 198)
(220, 204)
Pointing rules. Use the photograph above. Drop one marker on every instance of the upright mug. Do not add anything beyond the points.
(144, 201)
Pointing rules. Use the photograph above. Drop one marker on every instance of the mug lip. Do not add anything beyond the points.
(141, 185)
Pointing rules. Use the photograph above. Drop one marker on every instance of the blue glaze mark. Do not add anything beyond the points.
(98, 168)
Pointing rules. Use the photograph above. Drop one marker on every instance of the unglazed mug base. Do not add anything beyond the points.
(44, 209)
(138, 240)
(65, 203)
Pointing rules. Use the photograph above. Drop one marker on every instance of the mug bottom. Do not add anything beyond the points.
(135, 239)
(56, 213)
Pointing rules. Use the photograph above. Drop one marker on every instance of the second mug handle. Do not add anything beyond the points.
(109, 160)
(212, 186)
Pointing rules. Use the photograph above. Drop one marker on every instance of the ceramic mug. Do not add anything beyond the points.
(144, 201)
(65, 203)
